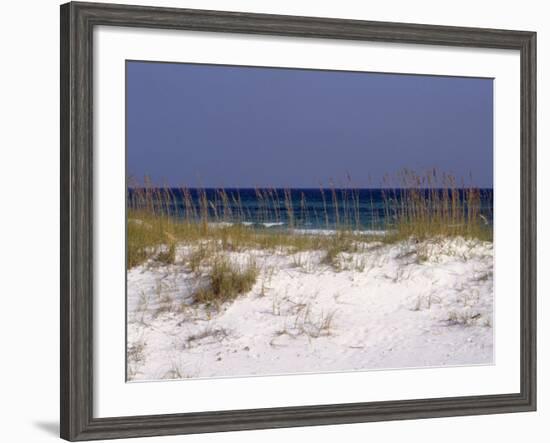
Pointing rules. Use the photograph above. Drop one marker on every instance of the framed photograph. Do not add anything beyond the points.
(272, 221)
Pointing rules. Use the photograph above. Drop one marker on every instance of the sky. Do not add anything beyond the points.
(217, 126)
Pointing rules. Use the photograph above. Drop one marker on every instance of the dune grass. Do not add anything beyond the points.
(414, 206)
(434, 205)
(156, 237)
(226, 281)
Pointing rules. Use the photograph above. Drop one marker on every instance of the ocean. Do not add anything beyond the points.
(360, 209)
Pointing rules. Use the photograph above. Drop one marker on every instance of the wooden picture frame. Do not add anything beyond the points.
(77, 23)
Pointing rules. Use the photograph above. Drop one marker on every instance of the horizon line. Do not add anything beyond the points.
(218, 188)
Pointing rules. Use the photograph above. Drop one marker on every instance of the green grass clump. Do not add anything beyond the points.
(337, 244)
(141, 240)
(226, 281)
(146, 233)
(197, 257)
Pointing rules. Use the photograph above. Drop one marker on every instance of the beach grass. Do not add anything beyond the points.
(226, 281)
(415, 206)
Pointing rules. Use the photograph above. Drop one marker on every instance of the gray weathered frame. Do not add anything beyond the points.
(77, 24)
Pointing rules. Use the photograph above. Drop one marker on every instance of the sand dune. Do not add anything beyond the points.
(409, 304)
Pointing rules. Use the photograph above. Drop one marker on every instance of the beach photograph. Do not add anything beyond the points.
(297, 221)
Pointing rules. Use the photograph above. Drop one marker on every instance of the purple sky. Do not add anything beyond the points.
(222, 126)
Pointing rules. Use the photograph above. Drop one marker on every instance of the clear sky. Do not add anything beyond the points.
(222, 126)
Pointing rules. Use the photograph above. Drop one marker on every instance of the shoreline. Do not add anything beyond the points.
(277, 228)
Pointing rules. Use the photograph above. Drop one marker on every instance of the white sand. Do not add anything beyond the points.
(393, 306)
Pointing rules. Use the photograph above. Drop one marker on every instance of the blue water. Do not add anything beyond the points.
(361, 209)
